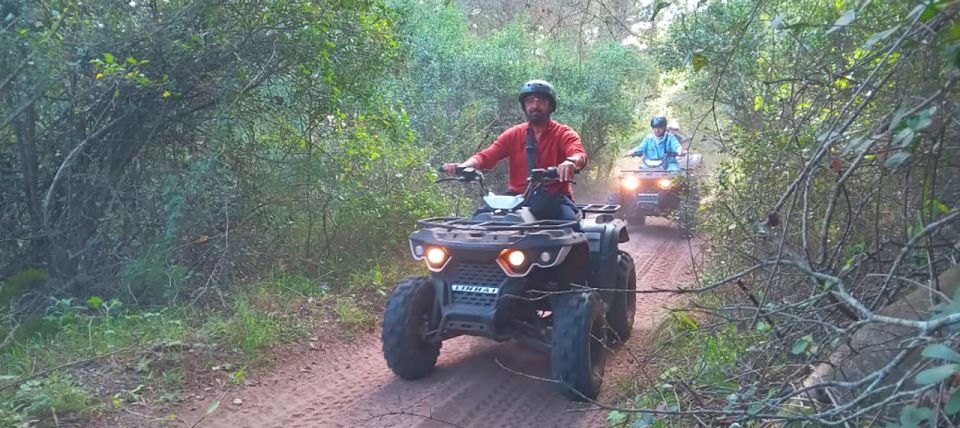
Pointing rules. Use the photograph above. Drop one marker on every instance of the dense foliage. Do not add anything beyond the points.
(148, 146)
(833, 221)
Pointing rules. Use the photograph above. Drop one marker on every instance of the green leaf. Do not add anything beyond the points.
(213, 407)
(904, 137)
(897, 159)
(932, 9)
(762, 326)
(615, 418)
(953, 34)
(911, 416)
(877, 37)
(108, 57)
(941, 351)
(843, 21)
(757, 102)
(95, 302)
(953, 404)
(936, 374)
(699, 61)
(800, 345)
(940, 206)
(921, 120)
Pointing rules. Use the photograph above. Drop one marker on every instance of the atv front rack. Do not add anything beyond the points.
(462, 223)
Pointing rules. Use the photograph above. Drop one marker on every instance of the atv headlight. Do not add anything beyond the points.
(517, 263)
(513, 261)
(516, 258)
(664, 183)
(630, 183)
(436, 258)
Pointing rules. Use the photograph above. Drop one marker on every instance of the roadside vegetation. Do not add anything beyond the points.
(831, 231)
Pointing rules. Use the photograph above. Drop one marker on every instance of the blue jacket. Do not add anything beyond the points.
(653, 149)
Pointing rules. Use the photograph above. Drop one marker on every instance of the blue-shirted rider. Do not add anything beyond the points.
(659, 146)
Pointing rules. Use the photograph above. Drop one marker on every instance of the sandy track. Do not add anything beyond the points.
(349, 385)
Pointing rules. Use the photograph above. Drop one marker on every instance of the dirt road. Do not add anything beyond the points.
(349, 385)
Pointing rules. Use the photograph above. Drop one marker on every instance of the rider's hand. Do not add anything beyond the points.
(565, 171)
(450, 168)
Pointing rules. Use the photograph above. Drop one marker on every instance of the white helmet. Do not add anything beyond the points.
(673, 124)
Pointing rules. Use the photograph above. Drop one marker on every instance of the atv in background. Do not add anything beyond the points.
(503, 274)
(660, 189)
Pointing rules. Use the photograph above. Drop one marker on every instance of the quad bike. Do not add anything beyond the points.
(656, 190)
(504, 274)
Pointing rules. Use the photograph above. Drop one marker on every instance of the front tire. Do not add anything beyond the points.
(579, 352)
(687, 213)
(406, 321)
(624, 308)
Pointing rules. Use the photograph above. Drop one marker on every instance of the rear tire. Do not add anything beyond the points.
(406, 320)
(579, 350)
(624, 308)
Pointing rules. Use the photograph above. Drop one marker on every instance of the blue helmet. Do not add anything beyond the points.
(658, 122)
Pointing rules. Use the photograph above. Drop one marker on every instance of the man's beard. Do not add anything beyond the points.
(537, 117)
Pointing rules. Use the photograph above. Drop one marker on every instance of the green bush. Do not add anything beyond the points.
(42, 398)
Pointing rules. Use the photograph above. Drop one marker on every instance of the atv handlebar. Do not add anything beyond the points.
(537, 177)
(547, 175)
(464, 175)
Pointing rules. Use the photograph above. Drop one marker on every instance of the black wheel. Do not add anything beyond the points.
(615, 199)
(628, 208)
(579, 350)
(624, 308)
(687, 213)
(406, 321)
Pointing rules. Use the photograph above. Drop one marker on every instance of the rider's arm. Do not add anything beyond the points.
(471, 162)
(675, 146)
(639, 149)
(573, 149)
(500, 149)
(484, 159)
(574, 155)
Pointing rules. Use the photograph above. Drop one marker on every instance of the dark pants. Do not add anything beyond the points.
(569, 211)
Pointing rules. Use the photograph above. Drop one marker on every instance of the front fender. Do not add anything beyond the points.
(604, 234)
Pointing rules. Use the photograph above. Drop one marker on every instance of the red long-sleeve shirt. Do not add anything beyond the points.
(556, 144)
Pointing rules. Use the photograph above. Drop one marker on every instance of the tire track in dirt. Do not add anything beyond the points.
(349, 385)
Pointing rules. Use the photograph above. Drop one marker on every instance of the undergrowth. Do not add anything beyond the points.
(83, 358)
(698, 360)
